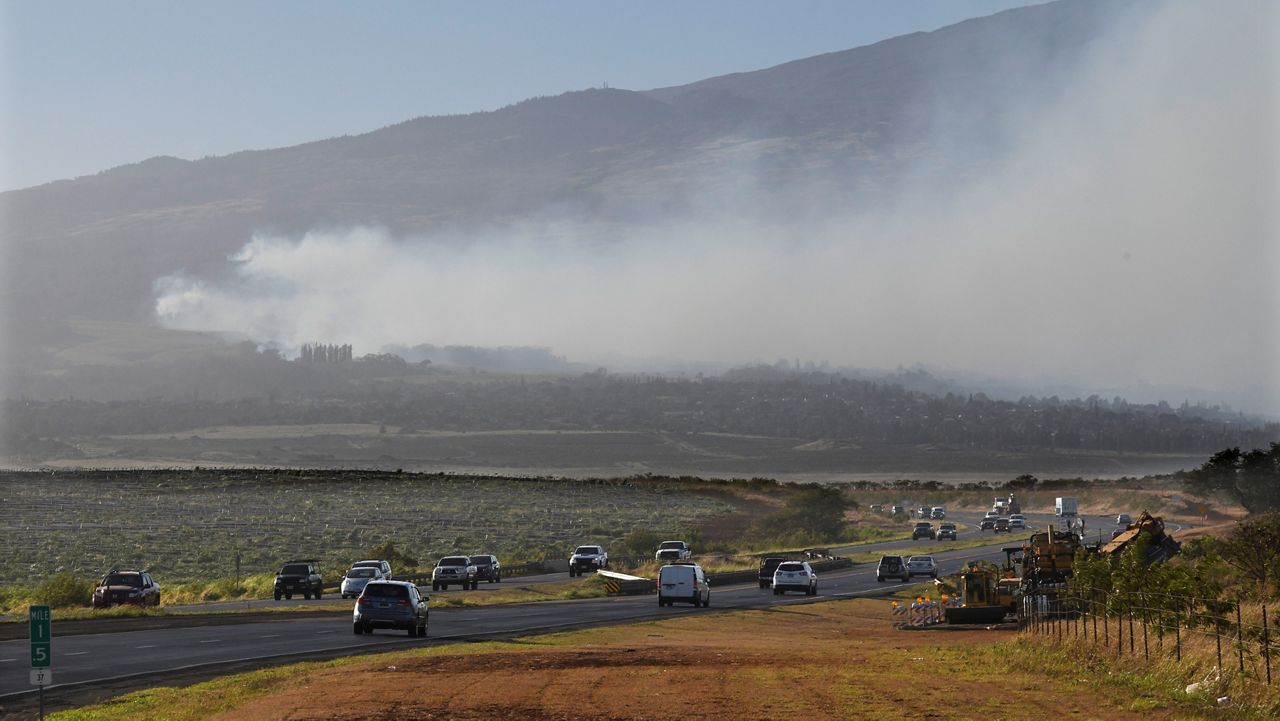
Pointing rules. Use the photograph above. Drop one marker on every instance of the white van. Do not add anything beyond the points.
(683, 582)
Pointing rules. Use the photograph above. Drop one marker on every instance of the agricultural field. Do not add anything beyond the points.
(583, 454)
(190, 525)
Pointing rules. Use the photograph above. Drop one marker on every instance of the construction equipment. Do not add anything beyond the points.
(985, 596)
(1160, 545)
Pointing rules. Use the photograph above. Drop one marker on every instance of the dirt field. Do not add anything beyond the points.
(823, 661)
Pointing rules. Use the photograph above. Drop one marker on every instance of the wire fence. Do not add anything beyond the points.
(1239, 636)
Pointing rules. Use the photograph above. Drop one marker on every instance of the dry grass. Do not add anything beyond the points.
(839, 660)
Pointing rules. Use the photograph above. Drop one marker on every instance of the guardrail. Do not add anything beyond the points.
(519, 569)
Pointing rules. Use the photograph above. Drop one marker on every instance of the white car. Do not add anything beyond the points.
(992, 514)
(795, 576)
(1123, 519)
(587, 558)
(354, 581)
(922, 566)
(683, 582)
(380, 565)
(1017, 520)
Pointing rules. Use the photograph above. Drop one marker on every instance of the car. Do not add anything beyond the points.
(1017, 521)
(892, 567)
(354, 580)
(938, 513)
(487, 568)
(383, 566)
(1123, 519)
(895, 510)
(922, 512)
(454, 571)
(924, 529)
(126, 586)
(391, 604)
(1001, 526)
(299, 577)
(946, 531)
(987, 524)
(992, 514)
(673, 551)
(684, 582)
(587, 558)
(768, 565)
(922, 566)
(795, 576)
(876, 507)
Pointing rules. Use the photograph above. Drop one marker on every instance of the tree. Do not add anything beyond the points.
(1254, 550)
(1251, 478)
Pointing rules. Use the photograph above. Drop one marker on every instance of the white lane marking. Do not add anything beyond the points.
(75, 653)
(212, 640)
(149, 645)
(272, 635)
(7, 660)
(318, 632)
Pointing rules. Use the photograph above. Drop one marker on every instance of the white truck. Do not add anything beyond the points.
(587, 558)
(1065, 507)
(673, 551)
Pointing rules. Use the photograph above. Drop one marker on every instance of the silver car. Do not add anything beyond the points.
(457, 571)
(354, 581)
(922, 566)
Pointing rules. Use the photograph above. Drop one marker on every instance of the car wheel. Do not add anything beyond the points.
(318, 594)
(356, 628)
(498, 578)
(306, 595)
(288, 596)
(879, 579)
(422, 631)
(277, 594)
(707, 601)
(777, 591)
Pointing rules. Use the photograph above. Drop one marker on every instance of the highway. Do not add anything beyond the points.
(110, 657)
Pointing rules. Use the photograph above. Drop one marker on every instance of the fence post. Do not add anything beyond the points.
(1120, 633)
(1131, 651)
(1146, 649)
(1266, 642)
(1177, 635)
(1239, 637)
(1093, 613)
(1217, 636)
(1106, 625)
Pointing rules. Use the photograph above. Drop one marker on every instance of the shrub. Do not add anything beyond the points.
(64, 589)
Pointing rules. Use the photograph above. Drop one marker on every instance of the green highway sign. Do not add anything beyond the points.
(41, 636)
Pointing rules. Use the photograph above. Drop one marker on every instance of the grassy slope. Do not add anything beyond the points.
(848, 663)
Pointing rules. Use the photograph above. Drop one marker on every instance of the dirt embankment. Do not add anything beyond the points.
(825, 661)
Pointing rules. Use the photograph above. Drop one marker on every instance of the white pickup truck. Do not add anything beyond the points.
(673, 551)
(587, 558)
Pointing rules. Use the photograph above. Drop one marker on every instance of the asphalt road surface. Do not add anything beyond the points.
(97, 658)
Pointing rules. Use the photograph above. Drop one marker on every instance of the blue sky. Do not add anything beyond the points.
(85, 86)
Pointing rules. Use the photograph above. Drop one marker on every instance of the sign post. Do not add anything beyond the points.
(40, 618)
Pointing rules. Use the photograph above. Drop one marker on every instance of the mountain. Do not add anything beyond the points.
(848, 125)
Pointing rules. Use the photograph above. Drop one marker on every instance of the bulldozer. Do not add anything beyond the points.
(986, 595)
(1160, 545)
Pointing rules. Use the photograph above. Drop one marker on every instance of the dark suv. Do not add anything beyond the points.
(487, 568)
(924, 529)
(767, 566)
(299, 577)
(132, 587)
(390, 604)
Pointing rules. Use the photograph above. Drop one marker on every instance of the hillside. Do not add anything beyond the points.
(849, 123)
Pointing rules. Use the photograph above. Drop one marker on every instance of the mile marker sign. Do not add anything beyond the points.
(41, 642)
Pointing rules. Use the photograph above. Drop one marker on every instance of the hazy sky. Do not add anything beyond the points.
(91, 85)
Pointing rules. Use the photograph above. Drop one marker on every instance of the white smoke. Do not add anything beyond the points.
(1129, 238)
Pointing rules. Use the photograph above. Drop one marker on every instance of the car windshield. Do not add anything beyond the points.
(891, 559)
(454, 561)
(921, 559)
(676, 545)
(922, 525)
(294, 569)
(791, 567)
(587, 550)
(361, 573)
(123, 579)
(481, 561)
(386, 590)
(948, 527)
